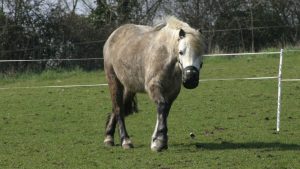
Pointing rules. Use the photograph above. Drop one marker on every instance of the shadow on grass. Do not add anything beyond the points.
(250, 145)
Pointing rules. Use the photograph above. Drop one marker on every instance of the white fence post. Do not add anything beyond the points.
(279, 90)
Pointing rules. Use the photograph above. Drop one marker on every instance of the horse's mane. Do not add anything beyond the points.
(172, 23)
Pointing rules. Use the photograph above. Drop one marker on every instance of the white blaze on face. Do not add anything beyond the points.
(187, 55)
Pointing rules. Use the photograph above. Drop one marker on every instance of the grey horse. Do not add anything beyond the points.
(155, 60)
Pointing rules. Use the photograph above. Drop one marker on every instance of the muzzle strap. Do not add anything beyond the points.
(190, 77)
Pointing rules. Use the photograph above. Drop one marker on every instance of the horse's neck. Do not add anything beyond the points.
(169, 40)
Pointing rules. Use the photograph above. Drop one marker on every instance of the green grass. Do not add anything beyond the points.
(234, 121)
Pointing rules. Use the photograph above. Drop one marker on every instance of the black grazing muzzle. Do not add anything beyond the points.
(190, 77)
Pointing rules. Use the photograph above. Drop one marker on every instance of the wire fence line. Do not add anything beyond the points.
(53, 46)
(82, 59)
(45, 60)
(54, 86)
(252, 28)
(105, 84)
(240, 54)
(290, 80)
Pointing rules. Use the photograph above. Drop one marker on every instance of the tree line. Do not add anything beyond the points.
(49, 29)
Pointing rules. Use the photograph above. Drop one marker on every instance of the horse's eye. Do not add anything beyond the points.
(180, 52)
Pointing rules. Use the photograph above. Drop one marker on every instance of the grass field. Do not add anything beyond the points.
(234, 121)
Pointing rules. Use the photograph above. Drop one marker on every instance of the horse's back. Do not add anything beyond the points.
(124, 53)
(124, 34)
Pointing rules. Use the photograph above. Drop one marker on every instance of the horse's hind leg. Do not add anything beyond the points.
(110, 130)
(127, 109)
(120, 117)
(118, 113)
(130, 104)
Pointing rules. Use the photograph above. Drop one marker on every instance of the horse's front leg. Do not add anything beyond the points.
(160, 136)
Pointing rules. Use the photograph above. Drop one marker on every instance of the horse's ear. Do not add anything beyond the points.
(181, 34)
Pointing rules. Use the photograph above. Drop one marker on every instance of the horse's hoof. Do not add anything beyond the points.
(127, 144)
(109, 144)
(159, 145)
(109, 141)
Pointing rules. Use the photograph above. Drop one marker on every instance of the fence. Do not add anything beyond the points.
(279, 76)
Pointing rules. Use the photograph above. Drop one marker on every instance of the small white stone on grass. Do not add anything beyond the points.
(192, 135)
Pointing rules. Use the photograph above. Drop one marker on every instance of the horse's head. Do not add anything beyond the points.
(190, 51)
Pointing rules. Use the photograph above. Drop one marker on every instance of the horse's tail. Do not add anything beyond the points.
(131, 106)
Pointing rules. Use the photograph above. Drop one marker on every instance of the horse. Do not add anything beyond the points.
(150, 59)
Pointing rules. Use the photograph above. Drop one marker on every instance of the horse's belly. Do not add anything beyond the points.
(136, 88)
(133, 81)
